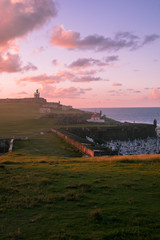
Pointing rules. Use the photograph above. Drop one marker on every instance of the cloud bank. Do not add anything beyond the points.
(117, 84)
(19, 17)
(90, 62)
(70, 92)
(155, 94)
(57, 78)
(11, 63)
(72, 40)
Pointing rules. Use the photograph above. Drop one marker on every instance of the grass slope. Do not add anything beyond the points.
(44, 197)
(46, 192)
(22, 120)
(48, 144)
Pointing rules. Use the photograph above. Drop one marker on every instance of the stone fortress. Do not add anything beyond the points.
(38, 100)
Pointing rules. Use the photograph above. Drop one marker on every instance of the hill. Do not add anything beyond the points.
(21, 119)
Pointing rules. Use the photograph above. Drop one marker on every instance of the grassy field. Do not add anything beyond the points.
(46, 197)
(48, 191)
(47, 144)
(22, 120)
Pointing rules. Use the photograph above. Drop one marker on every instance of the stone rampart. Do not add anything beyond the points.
(81, 147)
(24, 100)
(121, 132)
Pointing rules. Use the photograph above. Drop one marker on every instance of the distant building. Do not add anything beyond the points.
(95, 118)
(46, 107)
(45, 110)
(158, 131)
(65, 108)
(51, 105)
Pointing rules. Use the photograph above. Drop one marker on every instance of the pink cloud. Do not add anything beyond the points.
(38, 50)
(65, 75)
(111, 91)
(41, 79)
(83, 63)
(91, 72)
(70, 92)
(117, 84)
(60, 76)
(29, 67)
(72, 40)
(111, 59)
(56, 62)
(150, 38)
(87, 79)
(155, 94)
(65, 39)
(11, 63)
(88, 62)
(74, 77)
(21, 17)
(137, 91)
(151, 98)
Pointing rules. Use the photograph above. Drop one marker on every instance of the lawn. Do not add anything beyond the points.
(46, 197)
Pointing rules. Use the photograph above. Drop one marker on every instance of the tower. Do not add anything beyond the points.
(36, 94)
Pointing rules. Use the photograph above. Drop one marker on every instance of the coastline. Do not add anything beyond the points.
(144, 115)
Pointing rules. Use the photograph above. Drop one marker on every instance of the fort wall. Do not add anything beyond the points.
(24, 100)
(81, 147)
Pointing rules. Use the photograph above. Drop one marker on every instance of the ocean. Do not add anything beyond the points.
(137, 115)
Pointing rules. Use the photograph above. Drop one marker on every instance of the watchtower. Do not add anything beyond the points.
(37, 94)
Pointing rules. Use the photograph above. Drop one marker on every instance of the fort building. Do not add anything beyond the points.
(46, 106)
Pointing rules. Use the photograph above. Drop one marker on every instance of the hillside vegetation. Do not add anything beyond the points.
(25, 119)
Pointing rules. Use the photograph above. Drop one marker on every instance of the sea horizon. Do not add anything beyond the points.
(130, 114)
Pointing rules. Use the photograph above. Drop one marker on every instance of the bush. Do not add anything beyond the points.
(96, 215)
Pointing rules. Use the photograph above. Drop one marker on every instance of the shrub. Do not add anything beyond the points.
(96, 215)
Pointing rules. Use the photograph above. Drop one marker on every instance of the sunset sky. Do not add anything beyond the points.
(84, 53)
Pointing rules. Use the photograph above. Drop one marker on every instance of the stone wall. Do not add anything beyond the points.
(81, 147)
(44, 110)
(23, 100)
(120, 132)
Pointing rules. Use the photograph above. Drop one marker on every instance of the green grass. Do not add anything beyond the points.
(21, 120)
(45, 197)
(47, 192)
(45, 144)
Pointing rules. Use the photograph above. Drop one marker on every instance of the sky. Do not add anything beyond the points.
(84, 53)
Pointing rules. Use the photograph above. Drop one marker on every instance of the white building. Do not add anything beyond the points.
(95, 118)
(158, 131)
(45, 110)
